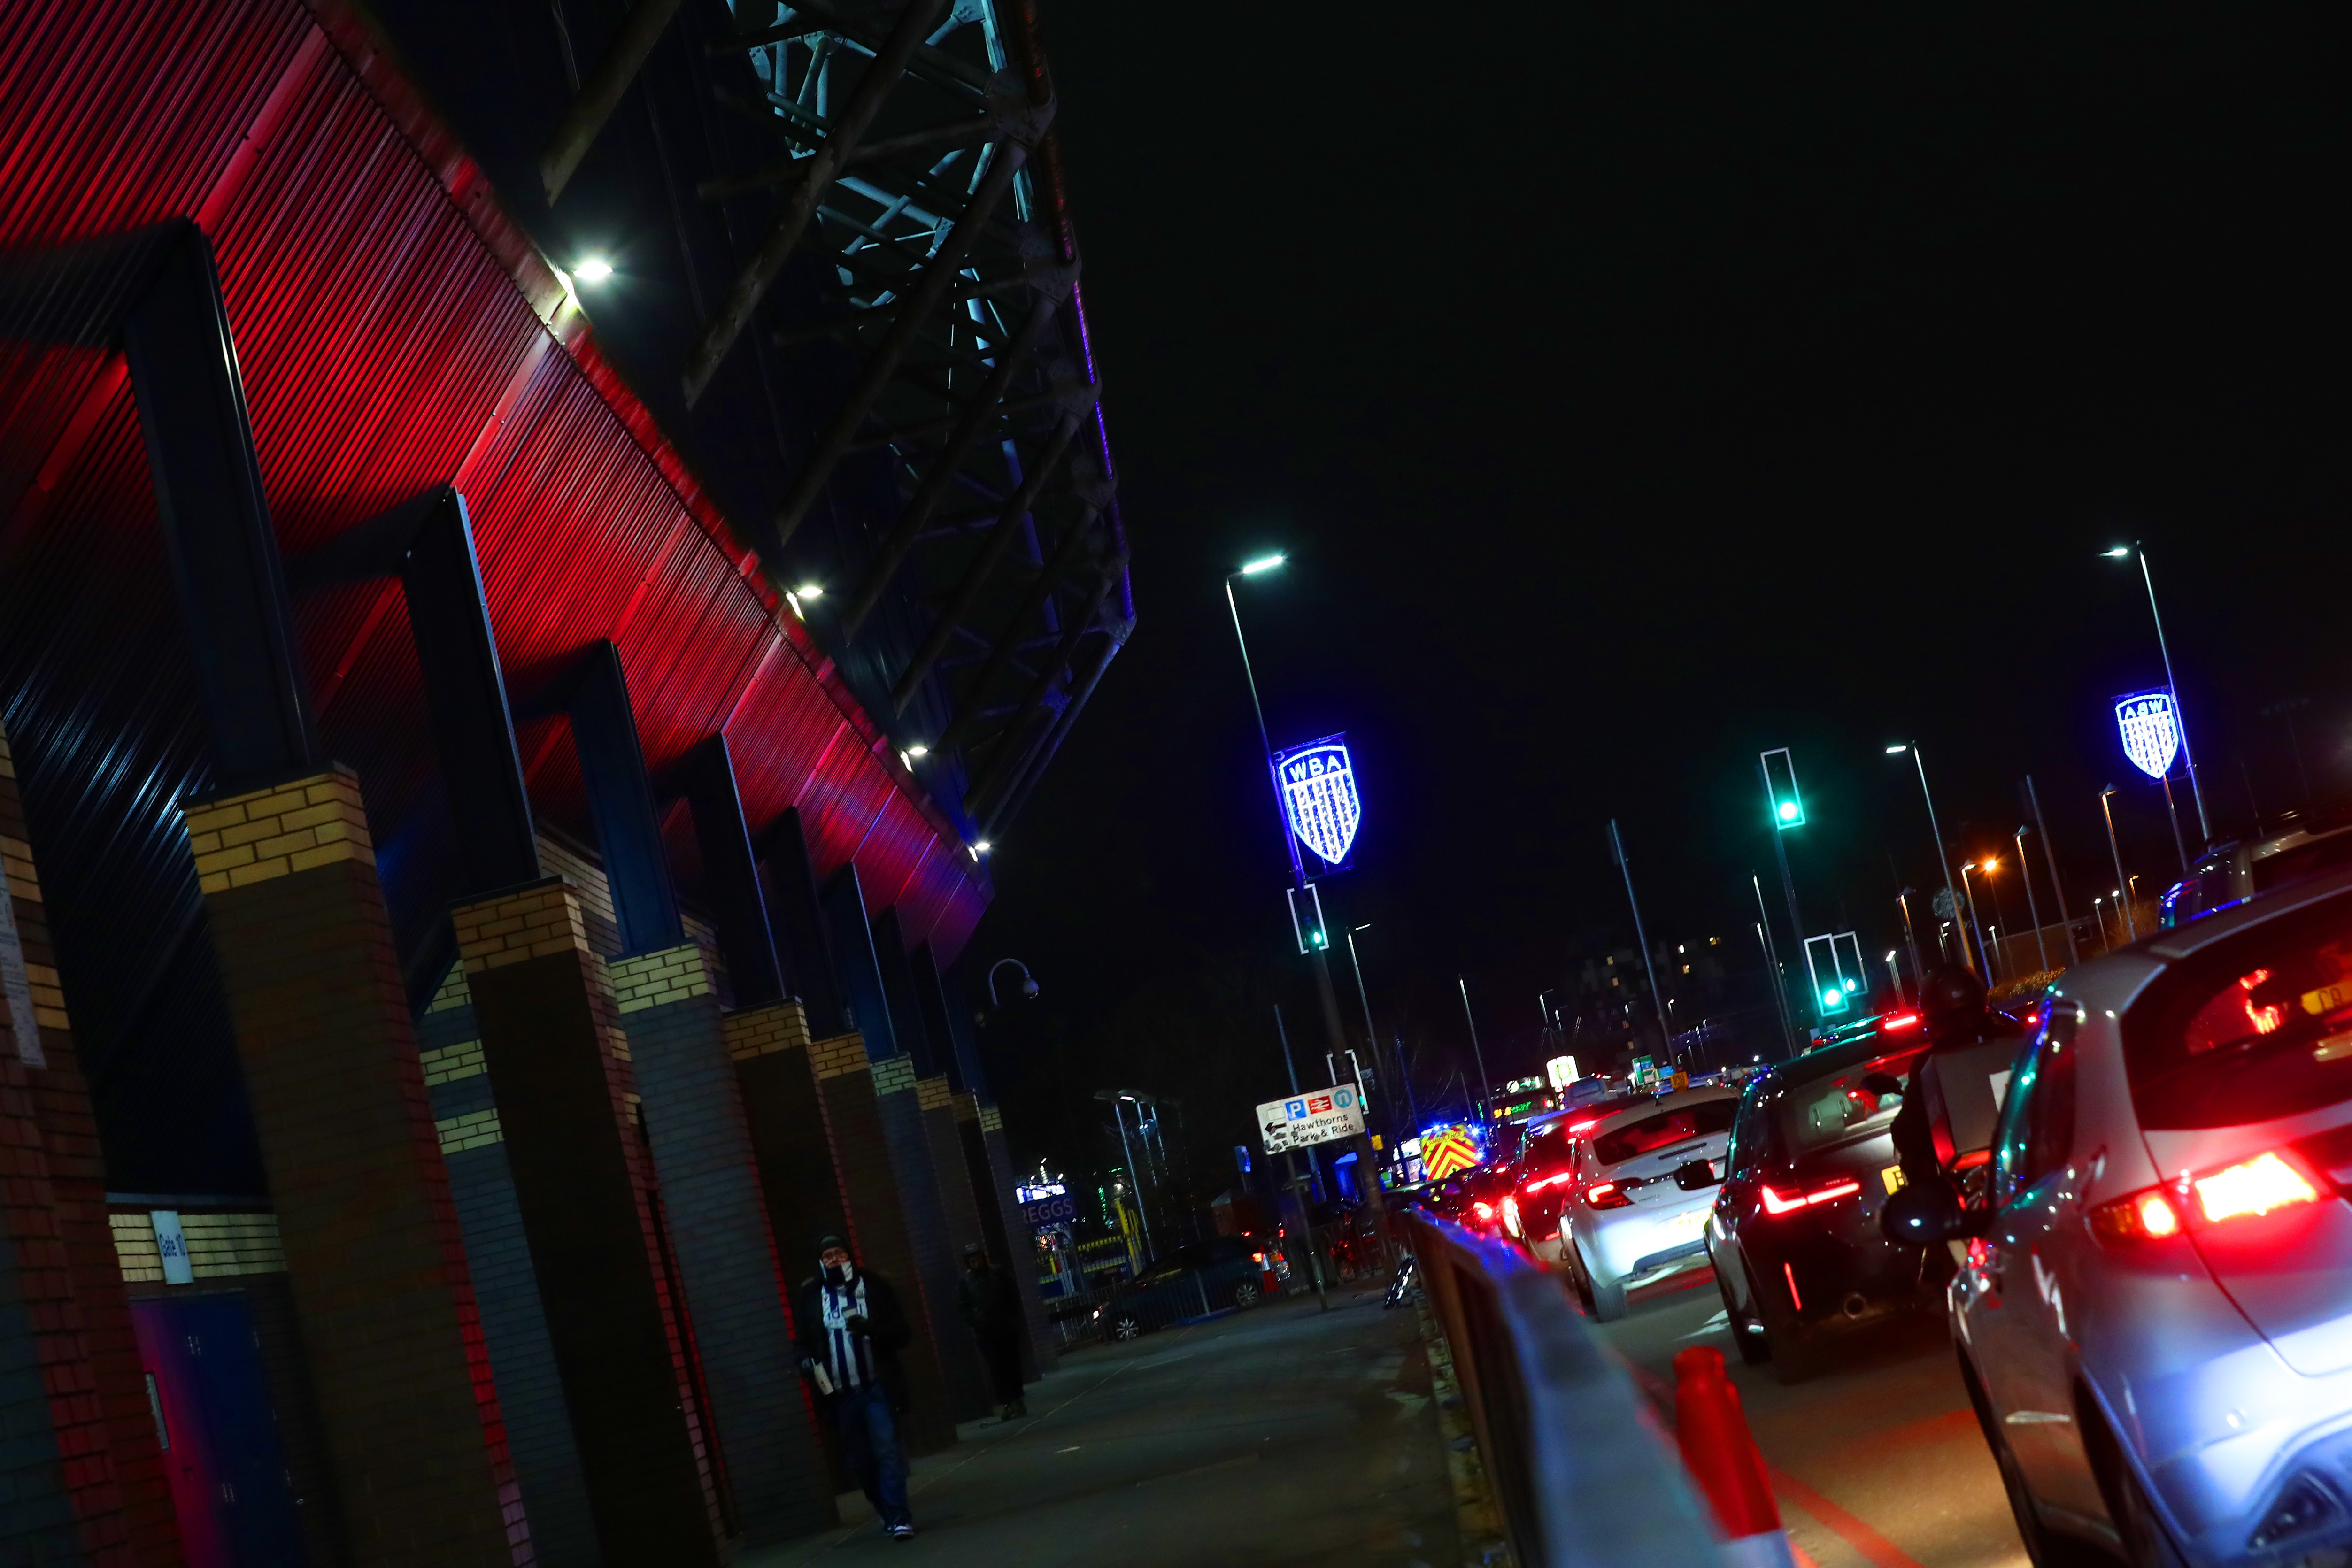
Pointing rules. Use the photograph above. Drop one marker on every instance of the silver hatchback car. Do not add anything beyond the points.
(2155, 1315)
(1627, 1222)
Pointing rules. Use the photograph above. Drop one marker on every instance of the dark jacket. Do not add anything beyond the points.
(1949, 1107)
(887, 1331)
(988, 1302)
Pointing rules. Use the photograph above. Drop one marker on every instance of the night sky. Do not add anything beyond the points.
(1634, 392)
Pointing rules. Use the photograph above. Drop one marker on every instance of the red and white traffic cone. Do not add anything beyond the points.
(1722, 1457)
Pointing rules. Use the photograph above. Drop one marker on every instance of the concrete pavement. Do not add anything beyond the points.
(1277, 1435)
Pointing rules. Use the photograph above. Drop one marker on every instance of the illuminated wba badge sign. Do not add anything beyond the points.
(1319, 791)
(2151, 731)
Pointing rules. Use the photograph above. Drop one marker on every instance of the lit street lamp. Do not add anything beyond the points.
(1949, 891)
(2127, 552)
(1028, 984)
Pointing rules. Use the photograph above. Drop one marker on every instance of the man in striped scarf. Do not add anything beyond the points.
(849, 1330)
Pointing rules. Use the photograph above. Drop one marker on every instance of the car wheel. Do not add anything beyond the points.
(1605, 1300)
(1754, 1348)
(1246, 1294)
(1788, 1345)
(1126, 1326)
(2044, 1547)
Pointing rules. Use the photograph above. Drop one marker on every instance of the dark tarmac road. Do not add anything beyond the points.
(1877, 1459)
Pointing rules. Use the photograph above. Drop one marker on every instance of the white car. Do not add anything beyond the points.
(1627, 1222)
(2155, 1316)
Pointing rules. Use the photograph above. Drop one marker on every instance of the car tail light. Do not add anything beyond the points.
(1511, 1214)
(1607, 1195)
(1483, 1210)
(1259, 1258)
(1901, 1020)
(1584, 1126)
(2252, 1187)
(1788, 1203)
(2147, 1215)
(1541, 1183)
(2267, 1183)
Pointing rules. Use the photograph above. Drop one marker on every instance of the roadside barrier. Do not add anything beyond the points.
(1723, 1460)
(1581, 1473)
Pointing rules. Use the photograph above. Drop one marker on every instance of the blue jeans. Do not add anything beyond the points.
(869, 1444)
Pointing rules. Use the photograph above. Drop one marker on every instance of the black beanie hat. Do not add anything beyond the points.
(826, 1244)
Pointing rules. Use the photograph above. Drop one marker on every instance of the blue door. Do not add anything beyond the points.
(229, 1485)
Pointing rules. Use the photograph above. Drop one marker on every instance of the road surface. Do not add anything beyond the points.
(1877, 1461)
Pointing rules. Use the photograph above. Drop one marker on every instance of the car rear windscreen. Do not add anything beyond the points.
(1637, 1138)
(1817, 1112)
(2257, 1027)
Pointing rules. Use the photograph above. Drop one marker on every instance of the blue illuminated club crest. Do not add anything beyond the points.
(1318, 795)
(2151, 731)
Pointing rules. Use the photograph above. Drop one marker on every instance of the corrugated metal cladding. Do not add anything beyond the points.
(391, 335)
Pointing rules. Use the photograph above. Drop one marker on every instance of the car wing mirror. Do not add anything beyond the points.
(1917, 1216)
(1697, 1176)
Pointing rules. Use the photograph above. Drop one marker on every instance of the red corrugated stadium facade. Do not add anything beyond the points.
(394, 331)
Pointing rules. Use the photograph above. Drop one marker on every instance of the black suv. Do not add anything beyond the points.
(1190, 1283)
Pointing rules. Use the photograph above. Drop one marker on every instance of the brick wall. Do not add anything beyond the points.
(372, 1252)
(719, 1230)
(561, 1073)
(514, 1321)
(77, 1171)
(878, 1224)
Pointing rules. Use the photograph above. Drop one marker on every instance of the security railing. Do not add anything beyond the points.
(1580, 1471)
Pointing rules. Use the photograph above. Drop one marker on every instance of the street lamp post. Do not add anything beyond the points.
(1925, 794)
(2057, 886)
(2033, 910)
(2180, 723)
(1976, 925)
(1317, 957)
(1485, 1107)
(1911, 938)
(1657, 996)
(2107, 811)
(1142, 1218)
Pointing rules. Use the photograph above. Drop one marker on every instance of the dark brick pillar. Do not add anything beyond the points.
(874, 1201)
(959, 1214)
(77, 1173)
(907, 1143)
(991, 1173)
(726, 1257)
(769, 1049)
(58, 1498)
(372, 1253)
(560, 1070)
(514, 1321)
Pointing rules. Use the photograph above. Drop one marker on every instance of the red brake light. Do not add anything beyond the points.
(2252, 1187)
(1605, 1195)
(1511, 1214)
(1257, 1257)
(2248, 1188)
(1485, 1210)
(1901, 1020)
(1538, 1185)
(1779, 1203)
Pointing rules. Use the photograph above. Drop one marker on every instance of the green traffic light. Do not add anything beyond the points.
(1788, 810)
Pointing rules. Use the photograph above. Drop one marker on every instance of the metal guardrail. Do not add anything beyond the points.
(1583, 1475)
